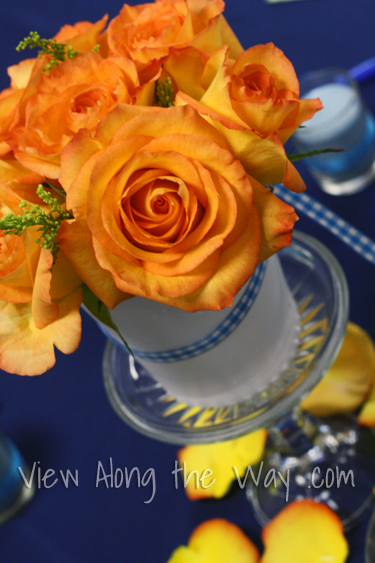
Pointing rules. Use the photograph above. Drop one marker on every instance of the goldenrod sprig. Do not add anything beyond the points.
(57, 51)
(49, 223)
(164, 93)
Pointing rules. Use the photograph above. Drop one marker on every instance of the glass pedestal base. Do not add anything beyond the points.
(319, 289)
(370, 541)
(329, 460)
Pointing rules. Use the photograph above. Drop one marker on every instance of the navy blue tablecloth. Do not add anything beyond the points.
(62, 420)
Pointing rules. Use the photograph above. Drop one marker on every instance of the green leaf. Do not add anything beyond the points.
(301, 155)
(100, 312)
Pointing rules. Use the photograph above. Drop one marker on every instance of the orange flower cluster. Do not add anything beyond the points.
(169, 203)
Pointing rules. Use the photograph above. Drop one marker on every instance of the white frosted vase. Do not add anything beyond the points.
(214, 358)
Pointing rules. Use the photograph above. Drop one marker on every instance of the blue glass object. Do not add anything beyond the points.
(14, 492)
(344, 123)
(357, 157)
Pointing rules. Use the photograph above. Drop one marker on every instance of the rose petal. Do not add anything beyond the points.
(275, 62)
(44, 311)
(348, 381)
(235, 266)
(305, 531)
(217, 541)
(367, 414)
(76, 242)
(220, 458)
(254, 152)
(27, 350)
(277, 220)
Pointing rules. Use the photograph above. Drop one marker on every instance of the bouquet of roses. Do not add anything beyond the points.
(138, 160)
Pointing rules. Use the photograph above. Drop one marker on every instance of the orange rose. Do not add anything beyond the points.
(84, 36)
(253, 101)
(147, 31)
(163, 210)
(76, 95)
(38, 309)
(21, 180)
(25, 76)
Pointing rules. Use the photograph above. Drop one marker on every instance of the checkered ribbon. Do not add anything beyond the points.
(220, 333)
(321, 214)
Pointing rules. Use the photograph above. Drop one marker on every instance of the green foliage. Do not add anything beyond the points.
(49, 223)
(164, 94)
(100, 311)
(58, 51)
(300, 156)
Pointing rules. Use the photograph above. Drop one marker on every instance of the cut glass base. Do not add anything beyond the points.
(319, 289)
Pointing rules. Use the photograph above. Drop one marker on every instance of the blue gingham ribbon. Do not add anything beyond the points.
(355, 239)
(215, 337)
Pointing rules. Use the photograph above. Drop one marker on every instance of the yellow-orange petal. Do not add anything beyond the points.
(43, 309)
(48, 166)
(217, 541)
(277, 220)
(83, 36)
(367, 414)
(220, 459)
(27, 350)
(76, 243)
(229, 38)
(237, 263)
(275, 62)
(305, 532)
(217, 96)
(307, 110)
(348, 381)
(186, 67)
(263, 158)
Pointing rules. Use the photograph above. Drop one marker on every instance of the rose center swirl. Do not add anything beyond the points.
(158, 213)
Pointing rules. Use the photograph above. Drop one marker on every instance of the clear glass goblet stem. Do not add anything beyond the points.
(329, 460)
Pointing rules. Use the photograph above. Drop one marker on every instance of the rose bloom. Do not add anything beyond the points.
(21, 180)
(163, 210)
(148, 31)
(39, 309)
(25, 76)
(76, 95)
(253, 101)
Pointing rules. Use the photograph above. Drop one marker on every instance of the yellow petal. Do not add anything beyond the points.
(305, 532)
(277, 220)
(27, 350)
(217, 541)
(348, 382)
(367, 413)
(220, 459)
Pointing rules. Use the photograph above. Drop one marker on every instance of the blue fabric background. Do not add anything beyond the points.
(63, 419)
